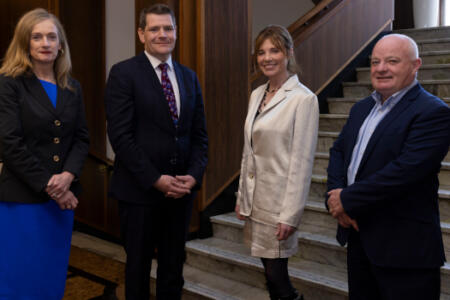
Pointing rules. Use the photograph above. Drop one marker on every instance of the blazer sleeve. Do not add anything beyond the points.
(301, 160)
(120, 115)
(426, 144)
(80, 141)
(17, 156)
(199, 138)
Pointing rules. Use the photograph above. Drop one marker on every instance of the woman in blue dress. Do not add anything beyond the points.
(43, 142)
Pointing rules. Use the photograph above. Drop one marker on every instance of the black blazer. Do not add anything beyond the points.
(395, 195)
(38, 140)
(142, 133)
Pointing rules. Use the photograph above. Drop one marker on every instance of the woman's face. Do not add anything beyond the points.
(271, 60)
(44, 43)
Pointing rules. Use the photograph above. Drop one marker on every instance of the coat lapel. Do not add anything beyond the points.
(388, 119)
(35, 88)
(252, 115)
(62, 98)
(155, 88)
(182, 90)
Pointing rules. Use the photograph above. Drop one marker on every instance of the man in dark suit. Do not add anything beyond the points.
(383, 180)
(156, 126)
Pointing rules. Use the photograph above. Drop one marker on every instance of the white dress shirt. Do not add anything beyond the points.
(170, 72)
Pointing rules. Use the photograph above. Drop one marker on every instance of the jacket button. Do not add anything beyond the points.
(250, 176)
(56, 140)
(57, 123)
(55, 158)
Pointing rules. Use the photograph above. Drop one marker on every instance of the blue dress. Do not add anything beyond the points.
(34, 246)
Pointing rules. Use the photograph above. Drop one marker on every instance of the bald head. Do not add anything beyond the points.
(409, 43)
(394, 64)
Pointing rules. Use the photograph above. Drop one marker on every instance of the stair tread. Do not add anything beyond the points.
(424, 66)
(214, 286)
(328, 133)
(356, 99)
(299, 269)
(425, 81)
(429, 41)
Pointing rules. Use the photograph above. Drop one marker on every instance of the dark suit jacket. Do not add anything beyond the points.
(395, 195)
(38, 140)
(142, 133)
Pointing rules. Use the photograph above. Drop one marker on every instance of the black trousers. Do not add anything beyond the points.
(163, 225)
(369, 282)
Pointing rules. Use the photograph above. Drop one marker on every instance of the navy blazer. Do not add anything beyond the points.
(394, 197)
(38, 140)
(142, 134)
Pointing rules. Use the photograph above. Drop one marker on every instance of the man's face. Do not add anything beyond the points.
(159, 35)
(393, 66)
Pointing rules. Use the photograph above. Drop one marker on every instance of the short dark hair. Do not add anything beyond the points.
(157, 9)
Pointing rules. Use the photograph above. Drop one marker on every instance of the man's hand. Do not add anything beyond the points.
(187, 180)
(237, 210)
(284, 231)
(172, 187)
(59, 184)
(334, 202)
(337, 210)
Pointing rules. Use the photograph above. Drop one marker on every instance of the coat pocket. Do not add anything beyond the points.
(269, 192)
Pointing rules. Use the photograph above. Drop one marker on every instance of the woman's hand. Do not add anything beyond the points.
(59, 184)
(284, 231)
(238, 212)
(67, 201)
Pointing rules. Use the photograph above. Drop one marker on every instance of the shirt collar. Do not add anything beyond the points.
(394, 98)
(156, 62)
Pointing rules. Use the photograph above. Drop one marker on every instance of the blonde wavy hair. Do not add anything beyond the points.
(17, 59)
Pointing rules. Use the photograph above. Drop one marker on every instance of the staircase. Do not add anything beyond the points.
(220, 267)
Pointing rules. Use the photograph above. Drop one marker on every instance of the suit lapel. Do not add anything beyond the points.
(35, 88)
(155, 89)
(182, 90)
(252, 115)
(382, 127)
(62, 98)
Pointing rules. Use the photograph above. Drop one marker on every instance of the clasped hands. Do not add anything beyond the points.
(175, 187)
(337, 210)
(58, 189)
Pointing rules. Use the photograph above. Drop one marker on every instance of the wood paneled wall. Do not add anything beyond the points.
(327, 47)
(226, 89)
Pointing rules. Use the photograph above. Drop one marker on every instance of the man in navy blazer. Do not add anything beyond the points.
(160, 142)
(383, 180)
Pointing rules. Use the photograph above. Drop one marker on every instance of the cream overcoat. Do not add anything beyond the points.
(278, 155)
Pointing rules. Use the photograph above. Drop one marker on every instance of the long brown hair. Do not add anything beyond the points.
(282, 40)
(17, 59)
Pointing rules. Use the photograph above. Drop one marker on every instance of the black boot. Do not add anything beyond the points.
(293, 296)
(272, 293)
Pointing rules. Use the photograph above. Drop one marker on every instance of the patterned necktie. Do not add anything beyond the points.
(168, 92)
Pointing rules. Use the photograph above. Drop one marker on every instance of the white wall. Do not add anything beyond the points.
(282, 12)
(120, 37)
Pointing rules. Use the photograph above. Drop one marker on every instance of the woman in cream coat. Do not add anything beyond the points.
(280, 138)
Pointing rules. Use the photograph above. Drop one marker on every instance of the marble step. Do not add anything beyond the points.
(318, 247)
(233, 261)
(427, 33)
(314, 250)
(435, 57)
(433, 44)
(325, 140)
(321, 161)
(343, 105)
(440, 88)
(426, 72)
(318, 189)
(332, 122)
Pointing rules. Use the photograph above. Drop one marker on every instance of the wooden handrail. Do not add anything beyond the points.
(304, 20)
